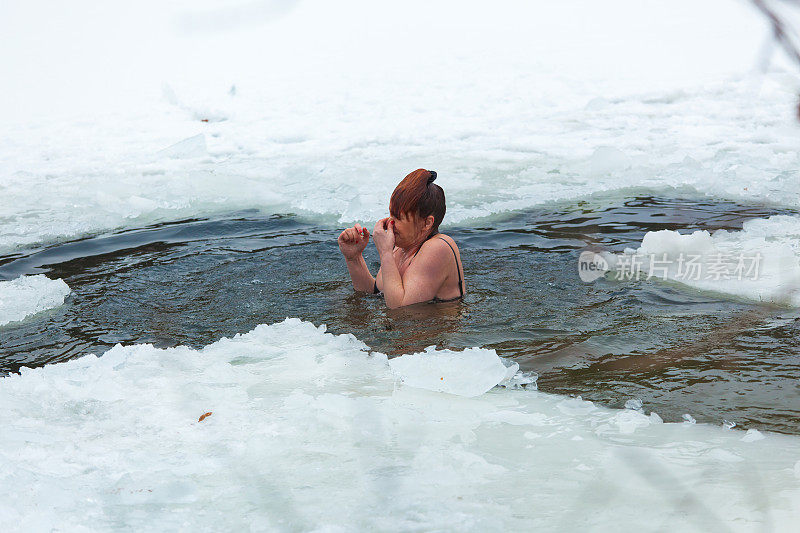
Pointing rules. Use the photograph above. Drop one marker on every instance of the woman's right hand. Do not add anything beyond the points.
(352, 241)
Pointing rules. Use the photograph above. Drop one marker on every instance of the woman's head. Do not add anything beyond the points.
(417, 206)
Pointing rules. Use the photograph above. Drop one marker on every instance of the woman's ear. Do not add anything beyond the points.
(429, 222)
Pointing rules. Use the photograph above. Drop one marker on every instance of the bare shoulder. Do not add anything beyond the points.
(449, 239)
(441, 241)
(439, 247)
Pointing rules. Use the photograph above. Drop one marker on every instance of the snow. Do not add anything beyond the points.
(310, 431)
(289, 105)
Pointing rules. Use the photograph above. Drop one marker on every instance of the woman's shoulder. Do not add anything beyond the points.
(444, 237)
(441, 242)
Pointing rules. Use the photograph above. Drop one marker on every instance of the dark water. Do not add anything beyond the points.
(195, 281)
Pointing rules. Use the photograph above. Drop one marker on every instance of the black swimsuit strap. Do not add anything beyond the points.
(458, 268)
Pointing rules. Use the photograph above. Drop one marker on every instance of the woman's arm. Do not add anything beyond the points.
(359, 273)
(391, 281)
(352, 242)
(421, 280)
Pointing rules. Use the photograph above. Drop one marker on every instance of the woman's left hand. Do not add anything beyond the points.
(383, 235)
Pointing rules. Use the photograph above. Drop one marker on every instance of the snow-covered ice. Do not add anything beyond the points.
(759, 263)
(468, 372)
(310, 430)
(321, 108)
(28, 295)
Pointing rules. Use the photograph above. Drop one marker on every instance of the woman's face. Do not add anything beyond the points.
(409, 230)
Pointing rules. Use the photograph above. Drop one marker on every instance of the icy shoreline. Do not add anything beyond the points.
(301, 416)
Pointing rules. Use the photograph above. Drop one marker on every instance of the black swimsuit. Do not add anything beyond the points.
(458, 268)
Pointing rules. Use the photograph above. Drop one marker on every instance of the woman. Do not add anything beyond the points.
(418, 264)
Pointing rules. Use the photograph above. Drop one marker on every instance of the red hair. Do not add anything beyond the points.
(417, 194)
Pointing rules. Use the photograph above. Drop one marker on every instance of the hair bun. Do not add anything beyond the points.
(433, 176)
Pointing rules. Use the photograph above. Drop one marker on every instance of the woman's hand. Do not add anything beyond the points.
(383, 234)
(352, 241)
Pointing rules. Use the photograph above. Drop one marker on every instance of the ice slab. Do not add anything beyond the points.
(759, 263)
(28, 295)
(467, 373)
